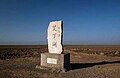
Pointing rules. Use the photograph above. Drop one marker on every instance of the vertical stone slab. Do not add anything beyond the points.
(55, 37)
(55, 58)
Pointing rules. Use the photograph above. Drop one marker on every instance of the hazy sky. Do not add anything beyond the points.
(84, 21)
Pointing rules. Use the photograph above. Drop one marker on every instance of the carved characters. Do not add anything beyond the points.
(55, 37)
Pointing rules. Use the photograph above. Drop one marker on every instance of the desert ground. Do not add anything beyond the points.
(86, 61)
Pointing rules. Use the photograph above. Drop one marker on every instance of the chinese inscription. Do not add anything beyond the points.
(55, 37)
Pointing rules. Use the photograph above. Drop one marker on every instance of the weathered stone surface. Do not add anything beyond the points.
(55, 59)
(55, 37)
(59, 61)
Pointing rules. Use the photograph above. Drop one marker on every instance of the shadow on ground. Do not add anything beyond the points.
(74, 66)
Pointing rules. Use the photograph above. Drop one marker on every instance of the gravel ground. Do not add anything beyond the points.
(82, 66)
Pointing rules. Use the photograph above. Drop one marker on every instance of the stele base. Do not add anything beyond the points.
(59, 61)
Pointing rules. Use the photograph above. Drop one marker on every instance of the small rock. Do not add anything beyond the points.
(117, 52)
(101, 53)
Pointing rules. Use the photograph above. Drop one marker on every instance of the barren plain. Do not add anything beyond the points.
(87, 61)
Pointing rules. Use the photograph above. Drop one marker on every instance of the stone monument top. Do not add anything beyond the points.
(55, 30)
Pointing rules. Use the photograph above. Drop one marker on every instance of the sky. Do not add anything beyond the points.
(85, 22)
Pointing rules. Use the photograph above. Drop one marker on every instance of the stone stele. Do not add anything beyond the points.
(56, 58)
(55, 37)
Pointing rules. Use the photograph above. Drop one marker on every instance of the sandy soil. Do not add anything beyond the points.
(83, 65)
